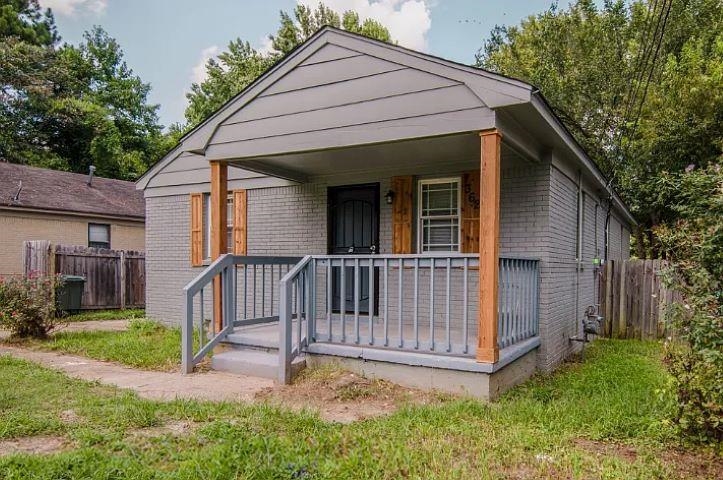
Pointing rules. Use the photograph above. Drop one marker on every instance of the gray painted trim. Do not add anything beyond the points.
(204, 186)
(467, 364)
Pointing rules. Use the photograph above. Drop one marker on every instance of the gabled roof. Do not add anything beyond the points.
(467, 98)
(64, 192)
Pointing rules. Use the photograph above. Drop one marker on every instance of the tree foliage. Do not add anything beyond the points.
(66, 106)
(589, 62)
(694, 241)
(241, 64)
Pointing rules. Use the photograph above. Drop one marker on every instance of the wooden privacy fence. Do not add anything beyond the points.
(113, 278)
(633, 299)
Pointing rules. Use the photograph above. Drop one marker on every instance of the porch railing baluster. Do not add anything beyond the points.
(400, 300)
(431, 303)
(465, 308)
(342, 300)
(329, 300)
(416, 303)
(386, 302)
(372, 297)
(447, 321)
(356, 287)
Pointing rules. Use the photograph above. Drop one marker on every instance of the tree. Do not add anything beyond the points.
(25, 21)
(67, 107)
(241, 64)
(589, 63)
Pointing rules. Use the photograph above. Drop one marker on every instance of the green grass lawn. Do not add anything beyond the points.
(146, 344)
(90, 315)
(571, 425)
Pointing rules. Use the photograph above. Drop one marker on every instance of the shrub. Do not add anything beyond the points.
(695, 245)
(26, 306)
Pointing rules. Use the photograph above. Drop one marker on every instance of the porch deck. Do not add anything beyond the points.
(266, 337)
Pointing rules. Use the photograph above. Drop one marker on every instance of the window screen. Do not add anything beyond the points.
(439, 215)
(98, 235)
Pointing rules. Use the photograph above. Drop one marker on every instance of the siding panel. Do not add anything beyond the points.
(330, 72)
(416, 104)
(354, 90)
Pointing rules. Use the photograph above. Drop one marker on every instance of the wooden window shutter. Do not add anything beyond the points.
(239, 222)
(196, 229)
(470, 211)
(402, 213)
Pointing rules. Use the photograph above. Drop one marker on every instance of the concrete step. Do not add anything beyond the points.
(252, 340)
(253, 363)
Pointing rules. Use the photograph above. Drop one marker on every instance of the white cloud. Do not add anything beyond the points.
(266, 45)
(198, 72)
(70, 8)
(408, 21)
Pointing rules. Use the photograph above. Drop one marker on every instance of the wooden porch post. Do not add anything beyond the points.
(489, 246)
(219, 192)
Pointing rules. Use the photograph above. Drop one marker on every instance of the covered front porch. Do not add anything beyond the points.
(465, 308)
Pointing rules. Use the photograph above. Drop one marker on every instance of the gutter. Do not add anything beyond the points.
(74, 213)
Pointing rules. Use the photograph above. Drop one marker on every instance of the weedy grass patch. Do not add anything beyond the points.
(601, 418)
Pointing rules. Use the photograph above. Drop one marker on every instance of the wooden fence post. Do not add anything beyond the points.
(622, 317)
(122, 267)
(610, 327)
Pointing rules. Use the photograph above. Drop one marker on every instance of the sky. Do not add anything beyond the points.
(166, 42)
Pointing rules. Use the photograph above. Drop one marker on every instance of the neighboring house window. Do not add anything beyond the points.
(98, 235)
(439, 215)
(207, 224)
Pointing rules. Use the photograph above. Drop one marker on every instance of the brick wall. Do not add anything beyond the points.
(16, 227)
(538, 219)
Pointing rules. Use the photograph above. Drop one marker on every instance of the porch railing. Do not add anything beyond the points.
(249, 296)
(422, 303)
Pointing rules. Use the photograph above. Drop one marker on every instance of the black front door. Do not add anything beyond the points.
(353, 229)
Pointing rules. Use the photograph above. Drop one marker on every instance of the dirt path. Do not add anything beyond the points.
(212, 386)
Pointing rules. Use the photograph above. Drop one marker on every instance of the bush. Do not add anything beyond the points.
(695, 245)
(26, 306)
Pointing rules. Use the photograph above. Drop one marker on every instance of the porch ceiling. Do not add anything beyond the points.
(423, 155)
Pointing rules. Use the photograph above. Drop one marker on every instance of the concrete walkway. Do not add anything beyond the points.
(212, 386)
(103, 325)
(94, 325)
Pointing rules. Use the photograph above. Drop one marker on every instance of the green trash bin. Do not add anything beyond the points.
(70, 295)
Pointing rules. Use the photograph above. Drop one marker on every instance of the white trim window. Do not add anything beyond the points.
(438, 210)
(99, 235)
(207, 224)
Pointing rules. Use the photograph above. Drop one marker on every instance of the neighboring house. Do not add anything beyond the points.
(64, 208)
(449, 224)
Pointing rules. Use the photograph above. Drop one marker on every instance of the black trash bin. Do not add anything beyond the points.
(70, 295)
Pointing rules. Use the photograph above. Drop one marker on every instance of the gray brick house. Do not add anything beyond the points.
(407, 216)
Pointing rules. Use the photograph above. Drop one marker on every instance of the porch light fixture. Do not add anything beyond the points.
(389, 197)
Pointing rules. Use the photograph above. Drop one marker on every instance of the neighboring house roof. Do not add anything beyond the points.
(412, 95)
(64, 192)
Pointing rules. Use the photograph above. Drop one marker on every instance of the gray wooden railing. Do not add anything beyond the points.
(518, 300)
(249, 293)
(295, 312)
(423, 303)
